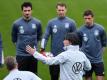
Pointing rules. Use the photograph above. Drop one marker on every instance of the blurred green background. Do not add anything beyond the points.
(45, 10)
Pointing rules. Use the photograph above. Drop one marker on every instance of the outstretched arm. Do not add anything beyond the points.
(47, 60)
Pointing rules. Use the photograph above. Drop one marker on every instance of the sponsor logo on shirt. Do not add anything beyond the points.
(77, 67)
(21, 30)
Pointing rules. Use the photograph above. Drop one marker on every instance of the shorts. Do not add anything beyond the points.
(98, 68)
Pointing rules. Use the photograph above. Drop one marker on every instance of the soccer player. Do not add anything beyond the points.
(57, 28)
(93, 40)
(26, 31)
(72, 61)
(15, 74)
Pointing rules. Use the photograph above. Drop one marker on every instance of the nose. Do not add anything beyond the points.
(86, 20)
(27, 12)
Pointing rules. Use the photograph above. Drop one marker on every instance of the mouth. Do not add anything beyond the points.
(27, 14)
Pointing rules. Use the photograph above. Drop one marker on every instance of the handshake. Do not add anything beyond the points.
(31, 51)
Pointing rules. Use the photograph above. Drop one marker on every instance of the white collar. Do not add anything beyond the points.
(14, 70)
(71, 47)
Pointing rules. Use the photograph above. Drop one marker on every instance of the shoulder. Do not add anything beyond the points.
(82, 28)
(69, 19)
(36, 20)
(6, 78)
(53, 20)
(82, 54)
(31, 75)
(63, 54)
(28, 73)
(98, 26)
(18, 21)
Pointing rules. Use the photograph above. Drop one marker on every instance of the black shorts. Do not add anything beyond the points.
(98, 68)
(27, 63)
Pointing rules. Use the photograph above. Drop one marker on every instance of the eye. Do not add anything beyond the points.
(87, 18)
(60, 10)
(28, 10)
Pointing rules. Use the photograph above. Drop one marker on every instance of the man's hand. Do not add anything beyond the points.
(30, 50)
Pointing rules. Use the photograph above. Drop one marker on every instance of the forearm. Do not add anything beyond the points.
(46, 59)
(40, 57)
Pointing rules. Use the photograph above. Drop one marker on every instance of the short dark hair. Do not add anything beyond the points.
(61, 4)
(10, 62)
(88, 12)
(26, 4)
(73, 38)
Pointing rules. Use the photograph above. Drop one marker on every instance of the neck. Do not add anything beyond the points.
(73, 47)
(61, 17)
(27, 18)
(90, 26)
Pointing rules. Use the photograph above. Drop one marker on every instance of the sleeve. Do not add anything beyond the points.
(14, 33)
(87, 64)
(73, 26)
(79, 33)
(39, 32)
(103, 38)
(50, 60)
(0, 49)
(46, 36)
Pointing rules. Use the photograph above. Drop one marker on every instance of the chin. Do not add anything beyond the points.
(27, 17)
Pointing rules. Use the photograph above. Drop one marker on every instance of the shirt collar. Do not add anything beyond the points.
(14, 70)
(61, 18)
(89, 27)
(72, 47)
(27, 20)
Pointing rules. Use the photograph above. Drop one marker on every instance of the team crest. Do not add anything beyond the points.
(33, 26)
(85, 37)
(55, 29)
(21, 30)
(96, 32)
(66, 25)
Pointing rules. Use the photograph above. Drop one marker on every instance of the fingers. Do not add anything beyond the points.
(30, 50)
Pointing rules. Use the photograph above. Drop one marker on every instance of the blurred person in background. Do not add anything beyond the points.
(26, 31)
(15, 74)
(57, 28)
(92, 42)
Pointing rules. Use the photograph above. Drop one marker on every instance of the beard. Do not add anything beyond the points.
(27, 17)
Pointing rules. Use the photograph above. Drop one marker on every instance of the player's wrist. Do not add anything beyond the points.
(42, 50)
(35, 53)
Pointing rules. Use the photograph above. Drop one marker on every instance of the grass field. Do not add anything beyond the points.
(45, 10)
